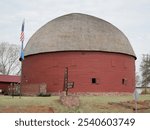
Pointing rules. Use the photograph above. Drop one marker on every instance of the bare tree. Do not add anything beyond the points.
(145, 69)
(9, 59)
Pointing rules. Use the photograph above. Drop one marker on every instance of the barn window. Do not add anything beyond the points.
(124, 81)
(93, 80)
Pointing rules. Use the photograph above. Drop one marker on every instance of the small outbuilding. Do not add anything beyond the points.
(6, 81)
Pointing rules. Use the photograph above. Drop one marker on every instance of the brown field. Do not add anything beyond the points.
(88, 104)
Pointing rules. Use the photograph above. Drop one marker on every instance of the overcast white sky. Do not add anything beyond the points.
(130, 16)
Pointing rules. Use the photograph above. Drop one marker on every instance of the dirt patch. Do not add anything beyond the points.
(70, 101)
(141, 105)
(27, 109)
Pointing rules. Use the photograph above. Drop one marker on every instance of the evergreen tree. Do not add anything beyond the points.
(145, 70)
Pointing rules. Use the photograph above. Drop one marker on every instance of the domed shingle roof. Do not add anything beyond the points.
(78, 32)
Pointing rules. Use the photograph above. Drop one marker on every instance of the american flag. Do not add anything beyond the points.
(22, 33)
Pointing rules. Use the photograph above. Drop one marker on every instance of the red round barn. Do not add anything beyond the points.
(97, 55)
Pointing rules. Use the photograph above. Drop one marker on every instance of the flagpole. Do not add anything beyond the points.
(21, 56)
(21, 71)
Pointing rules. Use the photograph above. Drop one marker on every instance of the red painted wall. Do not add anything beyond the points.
(30, 89)
(4, 86)
(109, 69)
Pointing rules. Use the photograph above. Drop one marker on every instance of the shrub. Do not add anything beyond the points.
(44, 95)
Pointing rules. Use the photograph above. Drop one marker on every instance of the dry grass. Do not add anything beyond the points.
(87, 104)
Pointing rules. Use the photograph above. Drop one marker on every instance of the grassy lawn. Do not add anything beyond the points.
(87, 103)
(100, 103)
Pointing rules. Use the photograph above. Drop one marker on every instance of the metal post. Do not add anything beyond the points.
(135, 106)
(20, 80)
(136, 96)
